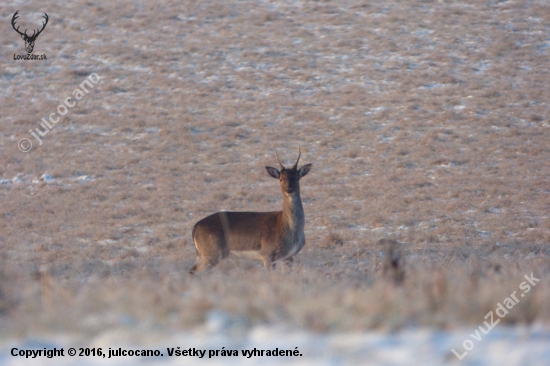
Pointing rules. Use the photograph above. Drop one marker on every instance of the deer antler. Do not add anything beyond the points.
(299, 154)
(277, 156)
(43, 26)
(13, 23)
(34, 34)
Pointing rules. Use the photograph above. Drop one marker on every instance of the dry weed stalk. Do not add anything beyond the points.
(392, 265)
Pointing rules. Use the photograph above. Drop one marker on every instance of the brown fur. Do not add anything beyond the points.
(266, 236)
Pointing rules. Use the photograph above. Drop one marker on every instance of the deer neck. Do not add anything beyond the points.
(293, 212)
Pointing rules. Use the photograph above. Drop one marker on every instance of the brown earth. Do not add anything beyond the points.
(426, 123)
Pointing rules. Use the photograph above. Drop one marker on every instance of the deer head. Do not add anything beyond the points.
(29, 40)
(289, 177)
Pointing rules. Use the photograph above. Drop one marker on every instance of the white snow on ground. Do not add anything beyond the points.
(501, 346)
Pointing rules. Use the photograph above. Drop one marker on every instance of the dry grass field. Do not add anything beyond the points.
(427, 123)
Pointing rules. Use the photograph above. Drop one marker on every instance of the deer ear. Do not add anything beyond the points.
(304, 170)
(273, 172)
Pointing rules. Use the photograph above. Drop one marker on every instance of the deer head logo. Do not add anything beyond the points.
(29, 40)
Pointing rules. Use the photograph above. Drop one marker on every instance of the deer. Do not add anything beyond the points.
(29, 40)
(265, 236)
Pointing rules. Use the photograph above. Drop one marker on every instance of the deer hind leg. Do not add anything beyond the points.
(207, 255)
(204, 263)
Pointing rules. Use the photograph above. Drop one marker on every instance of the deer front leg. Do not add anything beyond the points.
(289, 262)
(268, 263)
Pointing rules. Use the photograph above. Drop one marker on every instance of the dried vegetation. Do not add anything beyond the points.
(426, 123)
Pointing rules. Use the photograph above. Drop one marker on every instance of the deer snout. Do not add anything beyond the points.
(290, 190)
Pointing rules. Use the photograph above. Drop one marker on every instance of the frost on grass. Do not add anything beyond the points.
(426, 123)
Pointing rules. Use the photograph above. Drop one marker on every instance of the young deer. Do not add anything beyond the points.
(266, 236)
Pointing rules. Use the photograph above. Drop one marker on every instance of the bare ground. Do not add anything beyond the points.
(426, 123)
